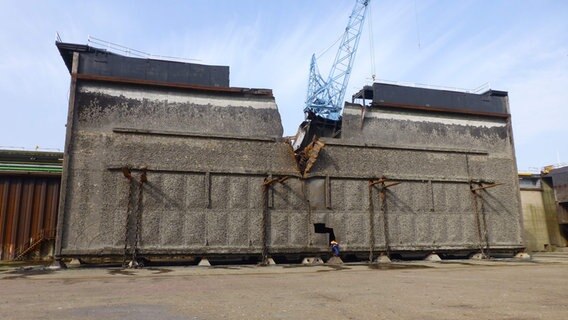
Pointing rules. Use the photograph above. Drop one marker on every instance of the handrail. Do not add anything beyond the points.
(43, 235)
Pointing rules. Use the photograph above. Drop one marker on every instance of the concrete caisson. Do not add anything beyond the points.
(182, 168)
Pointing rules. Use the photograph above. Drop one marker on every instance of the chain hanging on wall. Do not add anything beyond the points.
(266, 185)
(383, 188)
(480, 215)
(133, 216)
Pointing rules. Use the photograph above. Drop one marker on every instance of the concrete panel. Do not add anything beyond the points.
(426, 129)
(106, 106)
(534, 219)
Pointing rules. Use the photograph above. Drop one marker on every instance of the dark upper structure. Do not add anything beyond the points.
(96, 61)
(491, 102)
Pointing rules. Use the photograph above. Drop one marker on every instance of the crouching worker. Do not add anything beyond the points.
(334, 248)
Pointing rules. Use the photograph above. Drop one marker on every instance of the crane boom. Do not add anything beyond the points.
(325, 97)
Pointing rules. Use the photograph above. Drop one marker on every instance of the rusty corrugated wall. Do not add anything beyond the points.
(28, 213)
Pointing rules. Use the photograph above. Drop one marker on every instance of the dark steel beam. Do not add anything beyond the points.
(191, 134)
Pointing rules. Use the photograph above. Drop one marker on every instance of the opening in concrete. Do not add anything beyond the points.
(321, 228)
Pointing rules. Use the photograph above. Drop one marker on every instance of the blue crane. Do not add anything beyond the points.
(325, 97)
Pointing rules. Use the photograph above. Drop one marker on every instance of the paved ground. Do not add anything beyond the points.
(536, 289)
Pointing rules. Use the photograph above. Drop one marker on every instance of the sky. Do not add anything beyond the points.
(517, 46)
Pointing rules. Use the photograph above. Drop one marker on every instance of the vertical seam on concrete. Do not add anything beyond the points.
(383, 209)
(431, 189)
(327, 192)
(207, 186)
(371, 223)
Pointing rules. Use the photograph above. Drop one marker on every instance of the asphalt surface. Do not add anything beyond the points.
(457, 289)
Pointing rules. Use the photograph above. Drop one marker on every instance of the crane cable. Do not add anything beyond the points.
(331, 46)
(417, 25)
(371, 43)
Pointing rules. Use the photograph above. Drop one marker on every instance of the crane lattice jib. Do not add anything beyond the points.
(325, 97)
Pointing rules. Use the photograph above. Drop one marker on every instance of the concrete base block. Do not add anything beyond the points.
(204, 262)
(312, 260)
(383, 258)
(478, 256)
(133, 264)
(74, 263)
(57, 265)
(267, 262)
(433, 258)
(523, 256)
(334, 260)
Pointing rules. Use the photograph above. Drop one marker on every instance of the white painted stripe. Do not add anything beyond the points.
(446, 120)
(178, 97)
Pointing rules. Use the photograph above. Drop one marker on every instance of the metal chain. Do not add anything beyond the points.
(266, 186)
(382, 198)
(485, 232)
(127, 224)
(477, 220)
(371, 222)
(138, 219)
(137, 213)
(264, 234)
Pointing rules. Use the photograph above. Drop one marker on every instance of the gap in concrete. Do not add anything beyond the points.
(321, 228)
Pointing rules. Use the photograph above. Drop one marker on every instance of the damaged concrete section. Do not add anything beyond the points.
(166, 168)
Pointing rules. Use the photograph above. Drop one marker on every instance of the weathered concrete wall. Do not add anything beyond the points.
(434, 156)
(104, 107)
(206, 155)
